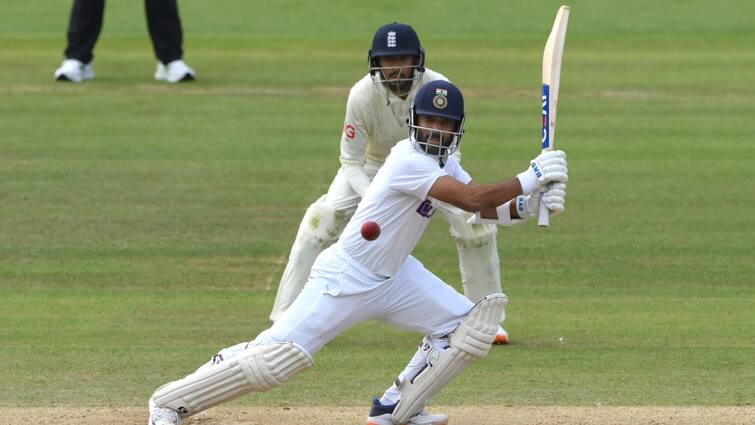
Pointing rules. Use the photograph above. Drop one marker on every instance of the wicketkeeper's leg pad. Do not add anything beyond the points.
(470, 341)
(477, 245)
(320, 228)
(258, 368)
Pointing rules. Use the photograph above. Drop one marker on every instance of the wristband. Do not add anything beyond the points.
(521, 207)
(528, 179)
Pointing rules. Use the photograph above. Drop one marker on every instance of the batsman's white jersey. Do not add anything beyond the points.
(402, 218)
(376, 119)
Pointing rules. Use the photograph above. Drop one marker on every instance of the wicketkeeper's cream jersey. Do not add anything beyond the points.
(374, 122)
(397, 200)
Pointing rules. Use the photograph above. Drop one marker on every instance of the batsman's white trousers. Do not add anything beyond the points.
(341, 293)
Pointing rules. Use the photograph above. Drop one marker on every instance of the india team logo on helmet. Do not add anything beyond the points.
(439, 99)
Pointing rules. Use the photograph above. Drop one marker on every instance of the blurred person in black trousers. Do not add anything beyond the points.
(164, 28)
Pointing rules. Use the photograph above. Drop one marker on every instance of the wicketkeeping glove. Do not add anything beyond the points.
(547, 167)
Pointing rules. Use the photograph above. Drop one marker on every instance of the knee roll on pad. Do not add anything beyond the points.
(258, 368)
(477, 332)
(470, 341)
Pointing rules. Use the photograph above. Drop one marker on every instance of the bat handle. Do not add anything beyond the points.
(544, 218)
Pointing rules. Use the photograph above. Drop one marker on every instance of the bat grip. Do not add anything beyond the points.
(544, 217)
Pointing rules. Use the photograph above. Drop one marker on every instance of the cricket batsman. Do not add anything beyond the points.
(356, 280)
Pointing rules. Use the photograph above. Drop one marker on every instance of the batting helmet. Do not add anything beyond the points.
(439, 99)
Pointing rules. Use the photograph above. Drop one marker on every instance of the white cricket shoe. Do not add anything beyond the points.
(381, 415)
(174, 72)
(75, 71)
(501, 336)
(162, 415)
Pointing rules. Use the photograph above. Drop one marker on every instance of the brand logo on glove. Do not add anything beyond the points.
(520, 206)
(536, 169)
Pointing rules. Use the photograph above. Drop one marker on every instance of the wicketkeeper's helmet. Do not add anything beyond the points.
(395, 40)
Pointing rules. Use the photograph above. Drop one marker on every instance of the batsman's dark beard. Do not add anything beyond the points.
(432, 149)
(432, 144)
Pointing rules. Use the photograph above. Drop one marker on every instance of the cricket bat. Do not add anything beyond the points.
(554, 51)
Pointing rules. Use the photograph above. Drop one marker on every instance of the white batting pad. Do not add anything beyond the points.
(470, 341)
(258, 368)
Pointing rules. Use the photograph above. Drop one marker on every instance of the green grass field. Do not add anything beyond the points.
(144, 226)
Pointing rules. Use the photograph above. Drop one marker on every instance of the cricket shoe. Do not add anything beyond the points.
(501, 336)
(162, 415)
(75, 71)
(382, 415)
(174, 72)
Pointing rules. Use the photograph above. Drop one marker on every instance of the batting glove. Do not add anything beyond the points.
(547, 167)
(554, 198)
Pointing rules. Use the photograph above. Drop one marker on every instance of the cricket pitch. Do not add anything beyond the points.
(339, 415)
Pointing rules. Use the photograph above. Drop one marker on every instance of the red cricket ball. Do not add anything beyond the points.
(370, 230)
